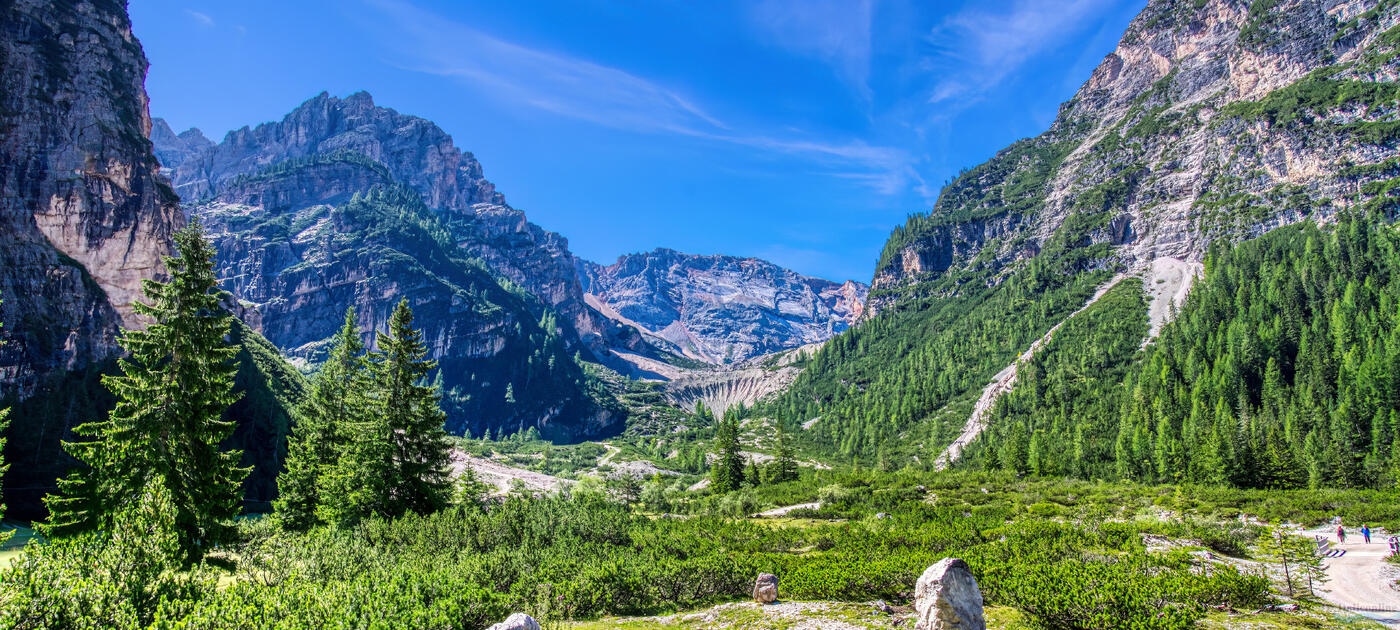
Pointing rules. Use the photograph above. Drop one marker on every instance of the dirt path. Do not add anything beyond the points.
(784, 511)
(1359, 576)
(607, 457)
(1002, 383)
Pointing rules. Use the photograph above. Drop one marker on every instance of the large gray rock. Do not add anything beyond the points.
(946, 597)
(765, 588)
(517, 621)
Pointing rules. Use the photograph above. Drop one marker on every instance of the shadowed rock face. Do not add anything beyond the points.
(721, 309)
(1162, 151)
(84, 217)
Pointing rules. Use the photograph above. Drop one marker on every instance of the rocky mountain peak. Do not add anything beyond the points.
(1210, 119)
(416, 151)
(720, 309)
(173, 149)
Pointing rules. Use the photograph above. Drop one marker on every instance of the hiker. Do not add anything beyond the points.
(1341, 535)
(1394, 545)
(1366, 533)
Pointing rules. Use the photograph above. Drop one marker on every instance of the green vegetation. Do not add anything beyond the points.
(395, 457)
(168, 421)
(1063, 554)
(1057, 419)
(1279, 372)
(883, 385)
(318, 438)
(1319, 93)
(727, 474)
(1260, 31)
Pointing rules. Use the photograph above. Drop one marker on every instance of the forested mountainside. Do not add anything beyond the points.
(1212, 119)
(84, 219)
(720, 309)
(1282, 371)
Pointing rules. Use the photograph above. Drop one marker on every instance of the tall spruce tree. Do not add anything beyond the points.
(727, 473)
(174, 386)
(411, 408)
(785, 465)
(396, 459)
(317, 441)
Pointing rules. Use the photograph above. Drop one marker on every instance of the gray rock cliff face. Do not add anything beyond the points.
(299, 242)
(720, 309)
(1221, 118)
(419, 154)
(84, 215)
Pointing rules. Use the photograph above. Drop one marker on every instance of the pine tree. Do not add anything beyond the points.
(1277, 546)
(785, 466)
(336, 400)
(167, 425)
(414, 418)
(727, 473)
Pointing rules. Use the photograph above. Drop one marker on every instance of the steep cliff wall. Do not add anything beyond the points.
(83, 215)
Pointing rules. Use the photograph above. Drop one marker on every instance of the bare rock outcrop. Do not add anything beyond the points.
(946, 597)
(84, 215)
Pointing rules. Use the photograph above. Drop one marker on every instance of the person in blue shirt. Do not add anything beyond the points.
(1366, 533)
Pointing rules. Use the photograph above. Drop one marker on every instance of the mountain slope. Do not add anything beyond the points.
(1212, 119)
(1280, 372)
(300, 241)
(720, 309)
(416, 153)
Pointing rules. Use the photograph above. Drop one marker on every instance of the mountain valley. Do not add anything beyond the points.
(1133, 372)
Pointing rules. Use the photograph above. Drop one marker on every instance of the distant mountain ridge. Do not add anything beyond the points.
(720, 309)
(388, 147)
(329, 208)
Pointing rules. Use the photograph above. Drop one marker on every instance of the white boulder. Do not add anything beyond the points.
(946, 597)
(517, 621)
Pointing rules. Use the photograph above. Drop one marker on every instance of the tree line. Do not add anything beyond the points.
(1282, 370)
(368, 440)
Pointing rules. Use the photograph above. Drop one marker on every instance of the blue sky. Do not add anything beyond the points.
(801, 131)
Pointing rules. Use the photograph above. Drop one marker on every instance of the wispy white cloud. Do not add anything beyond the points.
(981, 46)
(581, 89)
(553, 82)
(202, 18)
(835, 31)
